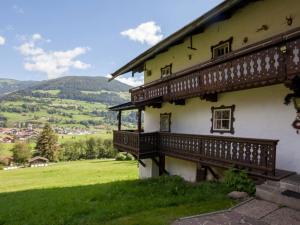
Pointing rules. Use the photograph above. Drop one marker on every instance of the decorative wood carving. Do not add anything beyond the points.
(256, 155)
(289, 20)
(263, 27)
(255, 68)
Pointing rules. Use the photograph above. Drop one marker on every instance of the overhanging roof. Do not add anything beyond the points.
(124, 106)
(141, 105)
(220, 12)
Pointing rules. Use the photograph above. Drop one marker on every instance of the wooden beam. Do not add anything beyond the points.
(156, 105)
(119, 120)
(201, 173)
(162, 169)
(179, 102)
(210, 97)
(142, 163)
(162, 164)
(212, 172)
(139, 120)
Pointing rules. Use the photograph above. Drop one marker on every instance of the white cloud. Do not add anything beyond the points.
(53, 63)
(132, 81)
(18, 9)
(148, 33)
(2, 40)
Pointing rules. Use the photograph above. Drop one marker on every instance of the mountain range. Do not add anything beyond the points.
(91, 89)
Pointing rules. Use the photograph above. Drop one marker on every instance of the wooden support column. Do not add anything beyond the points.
(201, 173)
(162, 167)
(139, 120)
(119, 120)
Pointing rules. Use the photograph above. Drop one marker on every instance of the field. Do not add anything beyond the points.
(61, 112)
(101, 192)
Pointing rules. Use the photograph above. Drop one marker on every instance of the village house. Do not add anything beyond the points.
(38, 161)
(221, 92)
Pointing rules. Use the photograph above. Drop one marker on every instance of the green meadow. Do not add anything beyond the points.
(104, 192)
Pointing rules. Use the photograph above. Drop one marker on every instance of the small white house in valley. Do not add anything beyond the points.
(221, 92)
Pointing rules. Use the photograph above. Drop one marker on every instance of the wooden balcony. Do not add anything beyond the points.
(141, 145)
(269, 62)
(258, 156)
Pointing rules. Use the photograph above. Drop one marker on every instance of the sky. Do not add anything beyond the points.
(47, 39)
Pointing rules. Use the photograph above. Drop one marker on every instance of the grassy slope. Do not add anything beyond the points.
(56, 103)
(42, 116)
(100, 192)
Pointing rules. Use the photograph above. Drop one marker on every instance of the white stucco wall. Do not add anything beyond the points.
(182, 168)
(150, 169)
(259, 113)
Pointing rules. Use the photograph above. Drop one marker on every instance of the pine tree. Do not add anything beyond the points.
(47, 144)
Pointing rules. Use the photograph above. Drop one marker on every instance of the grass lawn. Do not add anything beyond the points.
(101, 192)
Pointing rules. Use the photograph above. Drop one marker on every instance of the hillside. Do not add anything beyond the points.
(76, 102)
(9, 85)
(91, 89)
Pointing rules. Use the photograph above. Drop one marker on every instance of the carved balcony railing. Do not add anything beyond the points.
(138, 144)
(256, 155)
(269, 62)
(253, 154)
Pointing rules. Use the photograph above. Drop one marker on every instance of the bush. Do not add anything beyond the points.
(1, 167)
(21, 152)
(238, 180)
(124, 157)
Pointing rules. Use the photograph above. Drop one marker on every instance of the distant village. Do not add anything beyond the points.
(11, 135)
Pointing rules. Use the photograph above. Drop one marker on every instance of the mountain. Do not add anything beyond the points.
(82, 83)
(9, 85)
(91, 89)
(73, 102)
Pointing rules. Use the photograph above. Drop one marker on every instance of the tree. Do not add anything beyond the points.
(21, 152)
(91, 151)
(47, 144)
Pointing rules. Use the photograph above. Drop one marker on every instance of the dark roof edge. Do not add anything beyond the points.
(124, 106)
(178, 35)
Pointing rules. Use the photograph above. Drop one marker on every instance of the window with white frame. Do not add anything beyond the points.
(222, 48)
(166, 71)
(222, 119)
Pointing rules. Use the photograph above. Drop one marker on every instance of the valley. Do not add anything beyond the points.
(75, 107)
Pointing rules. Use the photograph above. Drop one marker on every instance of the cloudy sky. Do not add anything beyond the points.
(53, 38)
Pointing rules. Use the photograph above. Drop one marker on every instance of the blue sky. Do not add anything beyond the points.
(51, 38)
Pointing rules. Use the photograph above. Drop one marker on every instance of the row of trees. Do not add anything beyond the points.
(47, 146)
(92, 148)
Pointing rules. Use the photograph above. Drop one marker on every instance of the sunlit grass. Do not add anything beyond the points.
(101, 192)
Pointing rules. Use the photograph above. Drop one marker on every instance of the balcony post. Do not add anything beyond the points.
(139, 120)
(119, 120)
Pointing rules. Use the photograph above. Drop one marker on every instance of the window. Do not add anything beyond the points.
(222, 119)
(222, 48)
(166, 71)
(165, 122)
